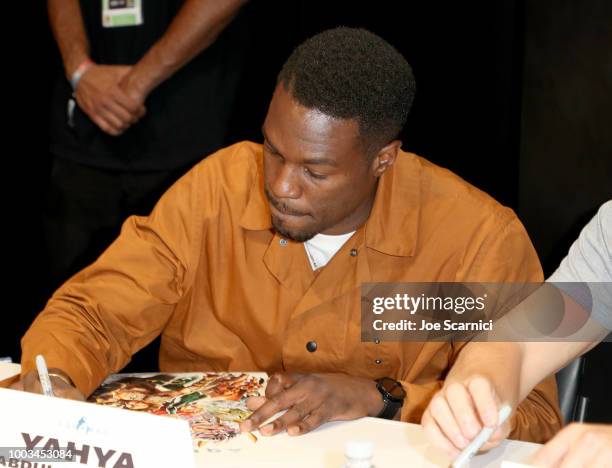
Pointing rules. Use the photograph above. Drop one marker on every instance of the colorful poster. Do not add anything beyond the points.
(213, 403)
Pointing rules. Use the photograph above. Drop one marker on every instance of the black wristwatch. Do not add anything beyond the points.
(393, 395)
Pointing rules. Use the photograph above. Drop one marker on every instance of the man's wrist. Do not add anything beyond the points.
(61, 375)
(151, 70)
(72, 62)
(79, 71)
(374, 398)
(136, 84)
(392, 394)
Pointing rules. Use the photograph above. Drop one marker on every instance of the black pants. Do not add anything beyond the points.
(85, 208)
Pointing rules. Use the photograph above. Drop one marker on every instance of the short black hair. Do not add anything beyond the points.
(351, 73)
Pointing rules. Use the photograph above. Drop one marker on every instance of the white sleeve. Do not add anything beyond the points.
(589, 260)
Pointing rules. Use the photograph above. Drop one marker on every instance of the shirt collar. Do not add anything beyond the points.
(393, 223)
(256, 215)
(392, 227)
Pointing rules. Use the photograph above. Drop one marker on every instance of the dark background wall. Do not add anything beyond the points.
(566, 126)
(513, 95)
(566, 144)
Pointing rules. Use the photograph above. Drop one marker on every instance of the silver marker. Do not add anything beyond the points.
(43, 375)
(481, 439)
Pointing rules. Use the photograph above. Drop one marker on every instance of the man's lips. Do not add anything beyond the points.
(282, 213)
(278, 209)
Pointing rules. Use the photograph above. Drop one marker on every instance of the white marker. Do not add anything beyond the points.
(43, 375)
(481, 439)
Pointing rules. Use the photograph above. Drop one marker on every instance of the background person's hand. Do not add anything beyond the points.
(311, 400)
(578, 445)
(459, 411)
(99, 95)
(133, 87)
(30, 383)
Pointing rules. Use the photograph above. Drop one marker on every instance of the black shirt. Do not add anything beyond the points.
(187, 115)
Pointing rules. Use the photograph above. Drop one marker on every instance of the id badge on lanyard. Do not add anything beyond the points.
(120, 13)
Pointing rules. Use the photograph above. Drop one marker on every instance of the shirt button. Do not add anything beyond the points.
(353, 252)
(377, 340)
(311, 346)
(378, 361)
(283, 242)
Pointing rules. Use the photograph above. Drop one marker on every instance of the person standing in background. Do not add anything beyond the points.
(147, 92)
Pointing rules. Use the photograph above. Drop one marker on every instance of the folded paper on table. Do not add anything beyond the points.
(48, 430)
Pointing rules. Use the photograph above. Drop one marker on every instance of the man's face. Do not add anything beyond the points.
(317, 177)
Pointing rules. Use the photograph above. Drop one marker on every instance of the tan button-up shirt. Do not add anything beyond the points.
(206, 271)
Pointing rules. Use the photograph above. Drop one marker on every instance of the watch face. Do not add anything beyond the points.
(394, 389)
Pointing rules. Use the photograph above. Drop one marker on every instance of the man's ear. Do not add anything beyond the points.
(385, 158)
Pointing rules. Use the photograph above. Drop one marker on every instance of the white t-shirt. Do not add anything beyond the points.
(590, 261)
(321, 248)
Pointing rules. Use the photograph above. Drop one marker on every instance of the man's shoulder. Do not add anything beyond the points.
(243, 153)
(234, 166)
(223, 183)
(228, 174)
(444, 193)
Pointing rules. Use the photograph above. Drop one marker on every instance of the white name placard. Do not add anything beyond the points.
(39, 431)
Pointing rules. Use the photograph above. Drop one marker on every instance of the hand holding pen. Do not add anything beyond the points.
(51, 382)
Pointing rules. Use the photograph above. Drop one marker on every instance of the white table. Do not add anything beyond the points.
(396, 444)
(9, 372)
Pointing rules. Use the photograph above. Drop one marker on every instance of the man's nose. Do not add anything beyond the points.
(286, 184)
